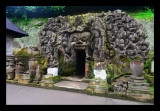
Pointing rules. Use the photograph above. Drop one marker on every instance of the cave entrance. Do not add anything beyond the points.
(80, 63)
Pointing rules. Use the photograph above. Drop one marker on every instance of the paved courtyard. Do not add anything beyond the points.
(24, 95)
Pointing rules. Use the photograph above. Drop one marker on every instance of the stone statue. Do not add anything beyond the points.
(38, 73)
(11, 71)
(32, 70)
(19, 70)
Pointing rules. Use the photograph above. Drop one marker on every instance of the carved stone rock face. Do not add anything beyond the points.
(102, 37)
(79, 40)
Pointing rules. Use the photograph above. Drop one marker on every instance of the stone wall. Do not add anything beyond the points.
(149, 26)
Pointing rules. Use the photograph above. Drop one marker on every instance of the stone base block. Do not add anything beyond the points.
(10, 76)
(46, 83)
(12, 81)
(17, 76)
(90, 90)
(98, 86)
(140, 96)
(102, 90)
(23, 81)
(25, 76)
(98, 89)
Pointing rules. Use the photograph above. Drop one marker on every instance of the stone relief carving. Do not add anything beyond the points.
(102, 37)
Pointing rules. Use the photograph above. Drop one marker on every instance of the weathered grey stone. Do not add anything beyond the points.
(10, 70)
(72, 85)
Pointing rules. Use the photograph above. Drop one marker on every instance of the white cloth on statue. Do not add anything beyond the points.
(100, 74)
(152, 67)
(53, 71)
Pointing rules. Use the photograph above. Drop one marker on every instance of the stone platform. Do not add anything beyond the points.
(72, 85)
(97, 86)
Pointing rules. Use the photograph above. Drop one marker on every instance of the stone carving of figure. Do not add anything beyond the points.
(98, 43)
(53, 63)
(85, 36)
(11, 70)
(38, 73)
(19, 70)
(32, 70)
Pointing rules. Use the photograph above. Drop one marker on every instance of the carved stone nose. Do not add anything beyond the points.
(79, 42)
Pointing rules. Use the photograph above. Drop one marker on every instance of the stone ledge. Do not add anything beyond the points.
(46, 83)
(141, 97)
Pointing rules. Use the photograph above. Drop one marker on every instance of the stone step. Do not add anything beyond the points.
(140, 96)
(137, 81)
(137, 84)
(139, 88)
(138, 91)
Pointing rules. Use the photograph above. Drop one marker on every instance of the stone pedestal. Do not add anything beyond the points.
(24, 79)
(47, 81)
(10, 76)
(17, 76)
(98, 86)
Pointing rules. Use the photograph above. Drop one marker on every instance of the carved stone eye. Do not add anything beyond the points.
(64, 44)
(64, 39)
(84, 39)
(75, 39)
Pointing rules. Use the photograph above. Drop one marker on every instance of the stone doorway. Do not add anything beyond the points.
(80, 63)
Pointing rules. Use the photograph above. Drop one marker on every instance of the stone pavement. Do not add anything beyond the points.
(72, 84)
(24, 95)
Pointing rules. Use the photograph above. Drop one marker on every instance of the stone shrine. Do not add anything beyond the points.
(98, 38)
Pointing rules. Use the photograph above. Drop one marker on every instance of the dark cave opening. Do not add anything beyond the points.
(80, 63)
